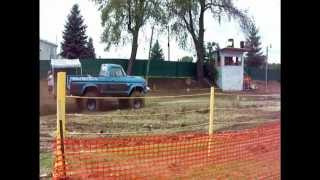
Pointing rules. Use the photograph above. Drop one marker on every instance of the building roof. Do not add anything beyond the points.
(47, 42)
(65, 63)
(230, 49)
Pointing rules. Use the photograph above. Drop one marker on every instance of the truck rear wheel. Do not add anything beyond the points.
(91, 104)
(79, 104)
(136, 103)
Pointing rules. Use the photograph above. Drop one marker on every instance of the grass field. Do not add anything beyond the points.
(161, 116)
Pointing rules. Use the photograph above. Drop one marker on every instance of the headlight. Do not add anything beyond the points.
(148, 89)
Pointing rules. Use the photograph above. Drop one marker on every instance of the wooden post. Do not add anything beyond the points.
(61, 100)
(211, 115)
(62, 150)
(238, 101)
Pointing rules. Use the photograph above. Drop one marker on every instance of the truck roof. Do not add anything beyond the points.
(111, 65)
(65, 63)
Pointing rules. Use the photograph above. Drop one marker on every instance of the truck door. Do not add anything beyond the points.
(106, 84)
(118, 84)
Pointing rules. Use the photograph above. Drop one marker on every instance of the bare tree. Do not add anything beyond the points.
(121, 16)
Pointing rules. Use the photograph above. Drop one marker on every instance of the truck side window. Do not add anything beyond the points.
(104, 71)
(116, 72)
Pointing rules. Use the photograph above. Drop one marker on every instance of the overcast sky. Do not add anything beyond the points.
(53, 16)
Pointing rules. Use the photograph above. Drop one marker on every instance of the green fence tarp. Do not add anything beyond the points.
(157, 68)
(260, 73)
(168, 69)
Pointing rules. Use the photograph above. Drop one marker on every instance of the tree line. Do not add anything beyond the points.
(122, 20)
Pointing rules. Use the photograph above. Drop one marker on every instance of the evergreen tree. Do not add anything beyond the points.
(156, 52)
(74, 36)
(90, 50)
(254, 57)
(212, 55)
(211, 52)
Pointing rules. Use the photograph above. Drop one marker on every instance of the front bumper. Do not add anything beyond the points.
(146, 89)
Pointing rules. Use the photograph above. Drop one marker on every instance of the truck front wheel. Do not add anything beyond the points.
(91, 104)
(136, 103)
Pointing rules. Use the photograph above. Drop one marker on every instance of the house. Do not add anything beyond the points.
(230, 68)
(47, 50)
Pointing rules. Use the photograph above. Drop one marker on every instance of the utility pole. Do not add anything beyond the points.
(148, 64)
(267, 67)
(266, 71)
(168, 45)
(55, 56)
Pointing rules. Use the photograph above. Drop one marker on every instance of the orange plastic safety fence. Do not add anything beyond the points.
(246, 154)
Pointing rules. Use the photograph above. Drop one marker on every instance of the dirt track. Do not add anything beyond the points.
(162, 87)
(167, 86)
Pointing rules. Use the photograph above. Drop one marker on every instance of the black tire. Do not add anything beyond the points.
(91, 104)
(136, 103)
(123, 103)
(79, 104)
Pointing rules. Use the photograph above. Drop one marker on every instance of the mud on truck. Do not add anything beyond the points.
(111, 82)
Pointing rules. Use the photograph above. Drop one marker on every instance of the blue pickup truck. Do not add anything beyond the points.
(112, 81)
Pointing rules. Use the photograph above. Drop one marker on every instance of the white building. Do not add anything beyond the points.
(230, 69)
(47, 50)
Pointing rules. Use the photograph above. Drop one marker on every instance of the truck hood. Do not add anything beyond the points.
(137, 79)
(128, 79)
